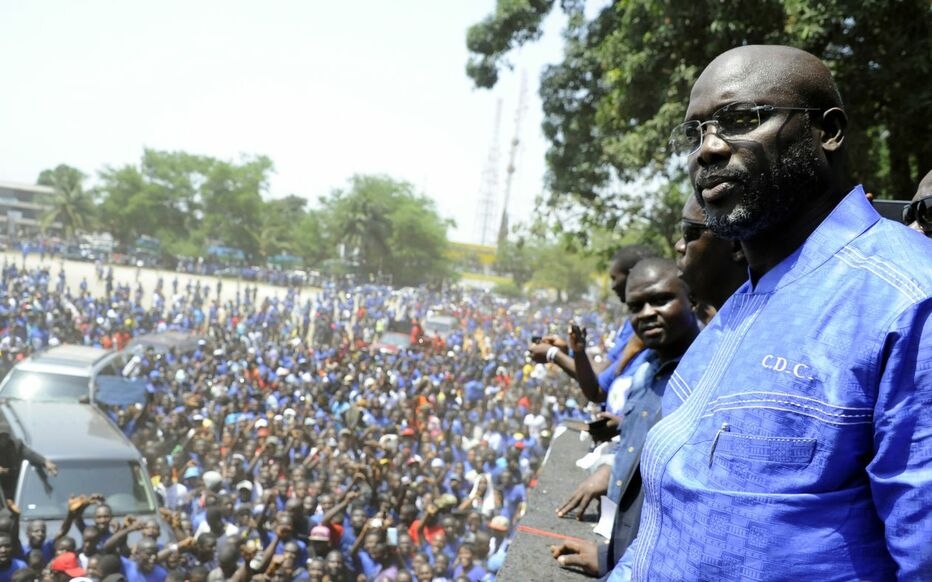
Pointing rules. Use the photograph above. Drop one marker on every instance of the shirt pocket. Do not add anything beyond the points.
(760, 463)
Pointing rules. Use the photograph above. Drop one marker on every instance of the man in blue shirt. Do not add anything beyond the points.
(8, 564)
(142, 568)
(797, 433)
(663, 319)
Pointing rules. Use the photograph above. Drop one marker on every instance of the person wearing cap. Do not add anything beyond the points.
(319, 539)
(244, 492)
(499, 527)
(66, 566)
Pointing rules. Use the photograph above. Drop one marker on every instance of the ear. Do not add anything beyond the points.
(834, 126)
(737, 252)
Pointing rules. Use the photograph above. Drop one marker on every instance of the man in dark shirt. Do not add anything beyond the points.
(12, 453)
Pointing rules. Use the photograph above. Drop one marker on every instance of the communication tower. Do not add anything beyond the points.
(512, 158)
(485, 210)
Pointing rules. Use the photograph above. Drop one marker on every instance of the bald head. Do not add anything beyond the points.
(774, 70)
(925, 188)
(767, 179)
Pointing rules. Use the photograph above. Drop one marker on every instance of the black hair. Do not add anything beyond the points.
(628, 256)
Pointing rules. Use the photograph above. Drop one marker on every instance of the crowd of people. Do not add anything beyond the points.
(287, 428)
(773, 386)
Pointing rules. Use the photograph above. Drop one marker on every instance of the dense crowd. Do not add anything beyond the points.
(284, 427)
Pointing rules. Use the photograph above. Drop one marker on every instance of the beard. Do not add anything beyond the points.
(772, 199)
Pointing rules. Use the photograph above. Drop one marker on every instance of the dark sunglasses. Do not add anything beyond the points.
(692, 230)
(919, 212)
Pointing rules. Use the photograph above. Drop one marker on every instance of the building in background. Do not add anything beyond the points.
(21, 209)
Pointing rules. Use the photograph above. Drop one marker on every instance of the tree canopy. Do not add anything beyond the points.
(71, 206)
(384, 226)
(625, 79)
(376, 225)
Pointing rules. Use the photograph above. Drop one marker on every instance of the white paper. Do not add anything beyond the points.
(558, 431)
(607, 519)
(587, 461)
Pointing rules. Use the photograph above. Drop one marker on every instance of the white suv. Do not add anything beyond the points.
(69, 373)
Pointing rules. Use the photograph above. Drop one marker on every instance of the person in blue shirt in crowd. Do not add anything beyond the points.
(623, 355)
(663, 318)
(8, 564)
(796, 430)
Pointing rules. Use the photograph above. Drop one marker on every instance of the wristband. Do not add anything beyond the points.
(552, 353)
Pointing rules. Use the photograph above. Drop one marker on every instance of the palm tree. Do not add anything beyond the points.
(70, 206)
(365, 229)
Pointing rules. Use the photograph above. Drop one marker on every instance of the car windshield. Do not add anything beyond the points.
(24, 385)
(440, 324)
(396, 339)
(122, 483)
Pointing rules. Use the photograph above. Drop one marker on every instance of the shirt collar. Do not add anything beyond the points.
(851, 217)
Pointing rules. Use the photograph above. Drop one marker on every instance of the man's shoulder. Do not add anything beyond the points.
(898, 246)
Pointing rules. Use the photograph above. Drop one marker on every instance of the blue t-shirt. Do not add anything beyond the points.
(6, 574)
(134, 574)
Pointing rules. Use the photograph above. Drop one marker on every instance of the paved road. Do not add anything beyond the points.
(528, 555)
(75, 271)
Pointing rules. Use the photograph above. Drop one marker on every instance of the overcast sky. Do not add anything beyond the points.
(325, 89)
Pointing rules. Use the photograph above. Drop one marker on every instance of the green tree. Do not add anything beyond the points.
(70, 206)
(569, 273)
(186, 200)
(627, 72)
(310, 239)
(277, 233)
(233, 193)
(161, 197)
(418, 242)
(514, 258)
(384, 227)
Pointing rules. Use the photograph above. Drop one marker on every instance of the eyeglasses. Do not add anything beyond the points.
(919, 212)
(692, 230)
(731, 120)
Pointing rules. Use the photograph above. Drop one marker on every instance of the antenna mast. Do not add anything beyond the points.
(485, 211)
(512, 157)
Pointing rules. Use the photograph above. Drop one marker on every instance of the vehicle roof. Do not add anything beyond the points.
(67, 430)
(396, 334)
(65, 359)
(183, 341)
